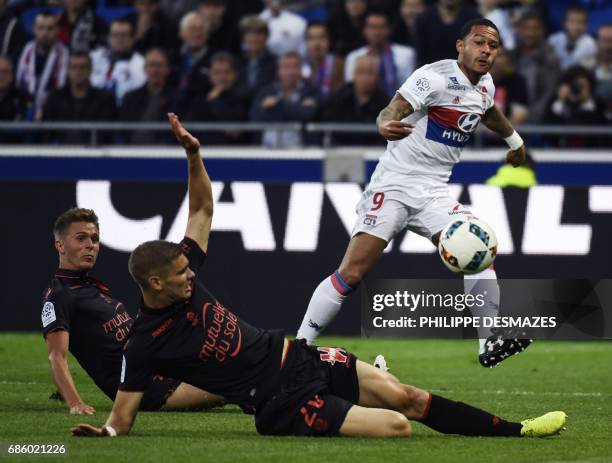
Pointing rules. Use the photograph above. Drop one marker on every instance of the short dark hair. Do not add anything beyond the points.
(291, 54)
(574, 72)
(46, 13)
(76, 214)
(80, 54)
(150, 258)
(530, 15)
(467, 27)
(160, 51)
(575, 9)
(376, 13)
(224, 57)
(317, 24)
(124, 20)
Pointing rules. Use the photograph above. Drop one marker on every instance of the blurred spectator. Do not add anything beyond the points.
(152, 28)
(151, 102)
(491, 10)
(257, 65)
(323, 69)
(223, 103)
(80, 29)
(194, 74)
(396, 61)
(601, 67)
(575, 104)
(405, 23)
(438, 29)
(78, 101)
(358, 101)
(43, 62)
(221, 24)
(520, 7)
(510, 89)
(176, 9)
(286, 28)
(12, 34)
(573, 45)
(345, 25)
(523, 176)
(289, 99)
(118, 67)
(535, 60)
(13, 101)
(599, 12)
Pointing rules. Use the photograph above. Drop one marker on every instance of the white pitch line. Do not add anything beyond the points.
(448, 391)
(503, 392)
(19, 383)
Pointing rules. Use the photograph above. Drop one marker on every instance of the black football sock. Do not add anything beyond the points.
(450, 417)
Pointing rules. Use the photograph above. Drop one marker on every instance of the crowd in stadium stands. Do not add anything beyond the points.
(268, 61)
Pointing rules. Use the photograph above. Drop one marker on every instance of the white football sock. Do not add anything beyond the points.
(324, 305)
(484, 283)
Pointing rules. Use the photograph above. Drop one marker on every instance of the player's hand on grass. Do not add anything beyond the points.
(187, 141)
(87, 430)
(82, 409)
(516, 157)
(395, 130)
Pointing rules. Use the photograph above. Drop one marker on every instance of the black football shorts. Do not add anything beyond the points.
(158, 392)
(318, 387)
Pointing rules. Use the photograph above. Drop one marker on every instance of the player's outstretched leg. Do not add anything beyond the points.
(362, 253)
(375, 422)
(485, 284)
(188, 397)
(381, 390)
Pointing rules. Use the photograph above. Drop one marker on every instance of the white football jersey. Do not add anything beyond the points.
(447, 110)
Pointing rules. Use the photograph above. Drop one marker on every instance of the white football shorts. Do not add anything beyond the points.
(393, 202)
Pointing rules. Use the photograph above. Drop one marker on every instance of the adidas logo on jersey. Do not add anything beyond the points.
(455, 85)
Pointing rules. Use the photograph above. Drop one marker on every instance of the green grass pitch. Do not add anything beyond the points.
(572, 376)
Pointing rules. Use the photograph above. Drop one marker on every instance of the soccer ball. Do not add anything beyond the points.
(467, 245)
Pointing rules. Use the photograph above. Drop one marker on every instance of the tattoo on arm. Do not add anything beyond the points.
(495, 120)
(396, 110)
